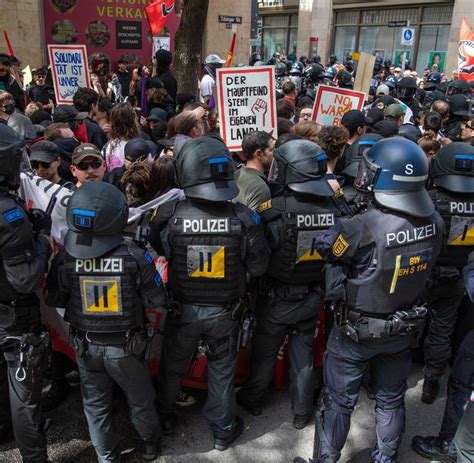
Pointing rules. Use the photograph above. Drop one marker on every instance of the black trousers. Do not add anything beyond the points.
(20, 405)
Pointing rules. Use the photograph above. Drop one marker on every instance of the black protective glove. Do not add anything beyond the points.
(40, 221)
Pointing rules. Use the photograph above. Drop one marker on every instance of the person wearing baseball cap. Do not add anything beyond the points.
(45, 159)
(394, 112)
(87, 164)
(158, 97)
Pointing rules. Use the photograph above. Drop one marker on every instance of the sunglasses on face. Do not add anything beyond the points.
(44, 165)
(86, 165)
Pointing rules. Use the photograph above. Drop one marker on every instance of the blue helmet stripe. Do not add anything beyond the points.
(83, 212)
(218, 160)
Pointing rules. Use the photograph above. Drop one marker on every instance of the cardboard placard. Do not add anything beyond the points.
(331, 103)
(365, 69)
(70, 70)
(246, 102)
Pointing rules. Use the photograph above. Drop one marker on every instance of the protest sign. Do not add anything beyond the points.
(161, 43)
(365, 69)
(246, 102)
(332, 103)
(70, 70)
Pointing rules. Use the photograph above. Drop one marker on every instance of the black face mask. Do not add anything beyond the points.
(9, 108)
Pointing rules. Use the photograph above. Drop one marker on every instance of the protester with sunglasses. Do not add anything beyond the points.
(45, 160)
(40, 92)
(87, 164)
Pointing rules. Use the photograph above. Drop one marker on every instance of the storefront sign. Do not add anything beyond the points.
(230, 19)
(408, 36)
(112, 28)
(128, 35)
(246, 103)
(70, 70)
(332, 103)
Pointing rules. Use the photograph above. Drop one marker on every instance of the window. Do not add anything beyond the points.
(279, 34)
(344, 43)
(433, 46)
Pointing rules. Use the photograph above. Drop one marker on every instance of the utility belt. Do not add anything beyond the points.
(32, 350)
(290, 292)
(137, 342)
(361, 327)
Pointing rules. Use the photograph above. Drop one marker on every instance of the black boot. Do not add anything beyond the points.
(430, 389)
(223, 441)
(168, 424)
(433, 448)
(300, 421)
(152, 451)
(254, 409)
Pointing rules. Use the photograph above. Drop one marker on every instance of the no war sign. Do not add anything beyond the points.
(331, 103)
(246, 102)
(70, 70)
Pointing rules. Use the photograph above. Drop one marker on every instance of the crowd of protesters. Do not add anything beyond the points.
(105, 135)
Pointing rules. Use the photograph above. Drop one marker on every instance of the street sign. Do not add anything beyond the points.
(230, 19)
(408, 36)
(403, 23)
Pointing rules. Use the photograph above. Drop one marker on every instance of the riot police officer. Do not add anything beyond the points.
(211, 245)
(106, 283)
(453, 176)
(381, 260)
(24, 343)
(290, 298)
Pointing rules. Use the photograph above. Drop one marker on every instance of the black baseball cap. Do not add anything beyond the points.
(459, 105)
(44, 151)
(157, 115)
(96, 215)
(136, 148)
(67, 113)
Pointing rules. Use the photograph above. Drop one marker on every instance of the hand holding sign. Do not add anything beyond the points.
(260, 107)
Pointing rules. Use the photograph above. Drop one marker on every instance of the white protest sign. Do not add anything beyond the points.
(246, 102)
(161, 43)
(70, 70)
(331, 103)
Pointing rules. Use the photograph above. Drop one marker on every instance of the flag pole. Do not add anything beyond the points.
(230, 54)
(9, 45)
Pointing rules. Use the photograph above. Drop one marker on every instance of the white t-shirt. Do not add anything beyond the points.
(207, 84)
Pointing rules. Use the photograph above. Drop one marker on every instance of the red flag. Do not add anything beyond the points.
(466, 52)
(158, 14)
(9, 45)
(230, 55)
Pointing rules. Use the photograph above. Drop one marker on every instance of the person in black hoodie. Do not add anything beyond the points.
(158, 97)
(163, 60)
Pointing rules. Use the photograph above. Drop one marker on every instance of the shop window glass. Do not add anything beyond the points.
(437, 14)
(294, 20)
(433, 46)
(347, 17)
(275, 21)
(385, 42)
(292, 41)
(344, 42)
(274, 40)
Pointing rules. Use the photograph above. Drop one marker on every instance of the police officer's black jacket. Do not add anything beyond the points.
(292, 224)
(457, 210)
(24, 257)
(107, 294)
(387, 257)
(210, 248)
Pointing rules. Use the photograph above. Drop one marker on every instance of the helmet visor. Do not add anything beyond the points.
(366, 175)
(405, 92)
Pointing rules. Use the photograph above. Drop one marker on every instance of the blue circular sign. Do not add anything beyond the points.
(408, 34)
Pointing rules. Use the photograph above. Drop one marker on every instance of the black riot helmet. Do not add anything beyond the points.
(332, 60)
(406, 88)
(433, 80)
(453, 168)
(97, 214)
(10, 156)
(458, 86)
(315, 72)
(395, 171)
(317, 59)
(255, 57)
(302, 167)
(280, 69)
(205, 170)
(355, 152)
(344, 79)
